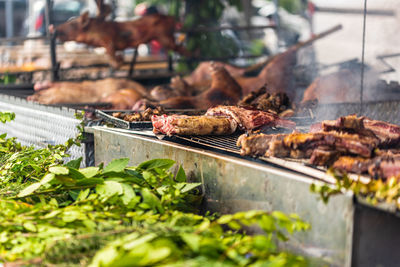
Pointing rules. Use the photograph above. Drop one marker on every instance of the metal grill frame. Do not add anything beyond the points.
(41, 125)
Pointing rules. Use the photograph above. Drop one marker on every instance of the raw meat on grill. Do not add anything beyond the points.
(250, 119)
(193, 125)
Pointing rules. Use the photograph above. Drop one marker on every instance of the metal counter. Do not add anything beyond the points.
(235, 184)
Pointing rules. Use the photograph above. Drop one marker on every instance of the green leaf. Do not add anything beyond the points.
(189, 187)
(29, 190)
(59, 170)
(83, 194)
(47, 178)
(192, 240)
(267, 223)
(90, 171)
(30, 226)
(139, 241)
(109, 189)
(128, 194)
(76, 163)
(116, 165)
(150, 199)
(280, 216)
(75, 174)
(180, 175)
(90, 181)
(164, 164)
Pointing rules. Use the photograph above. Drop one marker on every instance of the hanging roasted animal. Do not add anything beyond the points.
(117, 36)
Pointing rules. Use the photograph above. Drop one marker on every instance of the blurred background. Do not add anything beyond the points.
(291, 20)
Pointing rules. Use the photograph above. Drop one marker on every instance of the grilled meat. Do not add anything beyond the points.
(323, 156)
(193, 125)
(139, 116)
(380, 167)
(256, 144)
(384, 167)
(388, 134)
(357, 165)
(347, 143)
(263, 100)
(250, 119)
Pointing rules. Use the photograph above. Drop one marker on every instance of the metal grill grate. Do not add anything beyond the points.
(225, 143)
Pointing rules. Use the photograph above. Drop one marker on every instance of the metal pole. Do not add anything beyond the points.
(363, 58)
(276, 20)
(9, 18)
(133, 62)
(53, 57)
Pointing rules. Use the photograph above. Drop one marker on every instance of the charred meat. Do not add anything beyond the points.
(139, 116)
(263, 100)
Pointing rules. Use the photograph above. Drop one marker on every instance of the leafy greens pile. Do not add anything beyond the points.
(63, 215)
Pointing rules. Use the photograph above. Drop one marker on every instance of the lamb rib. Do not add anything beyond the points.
(388, 134)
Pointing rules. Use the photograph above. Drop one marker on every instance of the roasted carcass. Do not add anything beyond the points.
(117, 36)
(224, 90)
(90, 92)
(193, 125)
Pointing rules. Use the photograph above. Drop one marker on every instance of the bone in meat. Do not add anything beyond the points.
(193, 125)
(249, 119)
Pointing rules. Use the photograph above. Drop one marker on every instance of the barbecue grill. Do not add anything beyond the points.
(340, 229)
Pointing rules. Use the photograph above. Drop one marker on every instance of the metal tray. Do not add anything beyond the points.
(107, 116)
